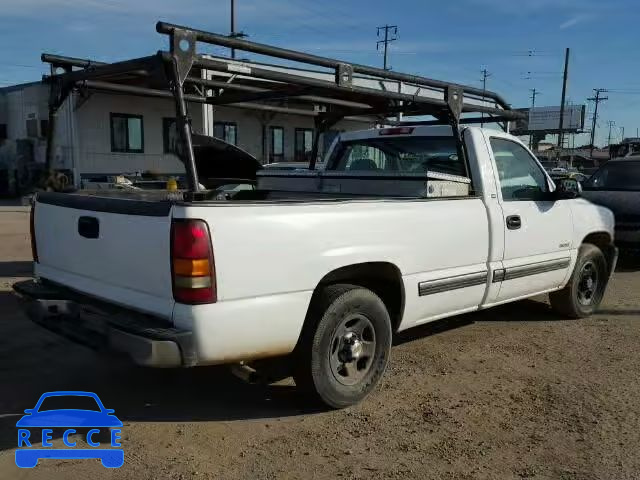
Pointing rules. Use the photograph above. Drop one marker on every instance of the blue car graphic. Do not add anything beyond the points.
(68, 418)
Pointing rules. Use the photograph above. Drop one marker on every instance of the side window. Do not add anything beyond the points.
(127, 133)
(227, 131)
(276, 150)
(521, 178)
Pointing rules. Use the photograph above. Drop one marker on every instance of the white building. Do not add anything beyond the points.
(96, 133)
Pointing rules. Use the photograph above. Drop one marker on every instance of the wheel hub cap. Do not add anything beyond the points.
(588, 283)
(352, 349)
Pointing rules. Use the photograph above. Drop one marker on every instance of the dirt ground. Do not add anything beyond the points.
(514, 392)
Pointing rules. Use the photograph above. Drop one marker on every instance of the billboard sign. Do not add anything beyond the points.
(547, 119)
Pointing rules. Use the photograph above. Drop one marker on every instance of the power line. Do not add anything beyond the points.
(597, 99)
(340, 16)
(20, 65)
(387, 40)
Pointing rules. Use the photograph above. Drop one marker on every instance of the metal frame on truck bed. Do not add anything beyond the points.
(352, 90)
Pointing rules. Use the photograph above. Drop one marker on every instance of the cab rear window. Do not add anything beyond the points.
(405, 155)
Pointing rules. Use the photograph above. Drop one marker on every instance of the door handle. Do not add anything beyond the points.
(89, 227)
(514, 222)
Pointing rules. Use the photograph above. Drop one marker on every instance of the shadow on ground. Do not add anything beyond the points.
(628, 261)
(606, 311)
(16, 269)
(34, 361)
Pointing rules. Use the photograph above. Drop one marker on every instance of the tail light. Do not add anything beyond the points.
(32, 231)
(192, 267)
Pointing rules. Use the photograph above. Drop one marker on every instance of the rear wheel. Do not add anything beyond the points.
(345, 346)
(584, 291)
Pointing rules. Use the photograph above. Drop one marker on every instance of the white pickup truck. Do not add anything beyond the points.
(321, 268)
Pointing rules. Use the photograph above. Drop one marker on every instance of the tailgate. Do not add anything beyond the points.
(110, 248)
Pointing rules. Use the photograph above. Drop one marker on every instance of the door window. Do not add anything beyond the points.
(276, 152)
(521, 178)
(303, 144)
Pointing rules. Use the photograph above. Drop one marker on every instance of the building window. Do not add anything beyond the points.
(170, 136)
(303, 144)
(276, 151)
(227, 131)
(32, 128)
(44, 128)
(3, 131)
(127, 133)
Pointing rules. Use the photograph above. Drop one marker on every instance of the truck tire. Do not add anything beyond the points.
(345, 345)
(583, 293)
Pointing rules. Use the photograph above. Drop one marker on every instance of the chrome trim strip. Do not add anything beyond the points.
(530, 269)
(440, 285)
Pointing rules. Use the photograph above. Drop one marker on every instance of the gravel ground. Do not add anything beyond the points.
(513, 392)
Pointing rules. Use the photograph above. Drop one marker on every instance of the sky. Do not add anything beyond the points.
(521, 43)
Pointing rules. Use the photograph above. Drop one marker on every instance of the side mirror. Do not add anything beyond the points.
(567, 188)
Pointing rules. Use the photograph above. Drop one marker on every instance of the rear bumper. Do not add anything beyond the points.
(147, 340)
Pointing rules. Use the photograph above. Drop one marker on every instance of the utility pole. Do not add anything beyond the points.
(564, 93)
(611, 125)
(387, 40)
(233, 33)
(597, 99)
(485, 75)
(233, 25)
(534, 94)
(622, 134)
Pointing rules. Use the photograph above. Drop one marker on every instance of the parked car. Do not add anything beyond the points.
(616, 185)
(292, 166)
(580, 177)
(363, 254)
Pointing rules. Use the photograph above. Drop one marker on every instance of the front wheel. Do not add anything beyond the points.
(583, 293)
(345, 346)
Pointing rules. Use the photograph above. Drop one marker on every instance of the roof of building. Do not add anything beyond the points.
(19, 86)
